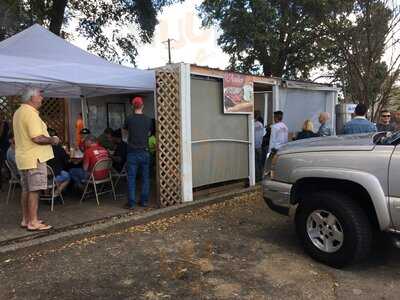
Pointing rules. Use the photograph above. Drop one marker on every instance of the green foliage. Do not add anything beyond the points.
(289, 38)
(13, 17)
(114, 28)
(360, 37)
(279, 38)
(394, 99)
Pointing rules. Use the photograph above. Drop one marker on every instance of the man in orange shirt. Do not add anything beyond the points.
(78, 128)
(83, 134)
(93, 153)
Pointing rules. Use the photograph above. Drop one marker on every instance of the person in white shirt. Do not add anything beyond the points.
(259, 132)
(279, 133)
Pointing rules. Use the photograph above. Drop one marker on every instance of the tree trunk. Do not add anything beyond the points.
(267, 70)
(57, 16)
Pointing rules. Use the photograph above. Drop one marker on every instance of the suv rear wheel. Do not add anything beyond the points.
(333, 228)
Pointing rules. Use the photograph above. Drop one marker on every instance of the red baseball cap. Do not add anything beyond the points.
(137, 102)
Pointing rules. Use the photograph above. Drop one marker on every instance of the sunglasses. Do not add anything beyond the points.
(385, 116)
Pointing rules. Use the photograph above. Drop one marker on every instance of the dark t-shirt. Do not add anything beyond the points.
(139, 127)
(383, 127)
(305, 135)
(60, 161)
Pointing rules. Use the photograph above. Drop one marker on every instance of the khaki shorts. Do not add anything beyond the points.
(33, 180)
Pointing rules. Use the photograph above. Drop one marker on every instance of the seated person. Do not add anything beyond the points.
(152, 143)
(307, 131)
(59, 164)
(121, 150)
(84, 133)
(105, 139)
(11, 150)
(93, 153)
(152, 138)
(10, 155)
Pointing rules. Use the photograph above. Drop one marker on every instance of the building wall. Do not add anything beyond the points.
(220, 150)
(299, 105)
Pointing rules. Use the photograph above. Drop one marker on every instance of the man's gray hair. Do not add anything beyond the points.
(29, 93)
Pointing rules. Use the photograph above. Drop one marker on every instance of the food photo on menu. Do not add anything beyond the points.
(238, 93)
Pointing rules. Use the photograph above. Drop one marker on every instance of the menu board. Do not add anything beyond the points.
(238, 94)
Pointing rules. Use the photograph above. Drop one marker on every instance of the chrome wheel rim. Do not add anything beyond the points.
(325, 231)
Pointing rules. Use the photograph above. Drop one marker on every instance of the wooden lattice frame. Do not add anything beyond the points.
(53, 112)
(8, 106)
(168, 137)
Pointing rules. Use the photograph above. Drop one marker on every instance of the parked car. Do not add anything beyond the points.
(339, 189)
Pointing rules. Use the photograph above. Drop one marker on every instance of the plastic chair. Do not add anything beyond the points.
(52, 186)
(14, 180)
(101, 165)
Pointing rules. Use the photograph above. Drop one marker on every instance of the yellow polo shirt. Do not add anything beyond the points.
(27, 124)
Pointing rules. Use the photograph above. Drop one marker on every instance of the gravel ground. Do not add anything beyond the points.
(237, 249)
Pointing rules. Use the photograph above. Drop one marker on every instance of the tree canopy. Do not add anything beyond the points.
(278, 37)
(361, 37)
(113, 27)
(346, 39)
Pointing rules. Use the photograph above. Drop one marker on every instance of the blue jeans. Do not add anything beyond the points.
(259, 164)
(64, 176)
(138, 159)
(78, 175)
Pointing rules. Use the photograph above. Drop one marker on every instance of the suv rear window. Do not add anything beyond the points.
(387, 138)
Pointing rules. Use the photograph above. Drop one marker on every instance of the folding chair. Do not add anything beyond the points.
(14, 180)
(101, 165)
(52, 186)
(118, 175)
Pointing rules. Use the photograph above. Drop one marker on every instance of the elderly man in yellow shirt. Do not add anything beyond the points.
(32, 151)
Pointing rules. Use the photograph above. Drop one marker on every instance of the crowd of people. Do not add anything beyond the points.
(30, 147)
(270, 138)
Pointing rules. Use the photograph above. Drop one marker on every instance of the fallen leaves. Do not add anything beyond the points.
(240, 202)
(151, 295)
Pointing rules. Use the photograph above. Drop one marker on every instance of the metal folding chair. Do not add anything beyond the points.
(14, 180)
(118, 175)
(101, 165)
(52, 186)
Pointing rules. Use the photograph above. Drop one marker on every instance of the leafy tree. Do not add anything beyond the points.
(394, 99)
(113, 27)
(347, 39)
(13, 17)
(360, 36)
(278, 37)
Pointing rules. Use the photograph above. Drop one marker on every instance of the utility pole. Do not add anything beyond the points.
(169, 49)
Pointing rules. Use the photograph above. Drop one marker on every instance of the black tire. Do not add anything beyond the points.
(357, 230)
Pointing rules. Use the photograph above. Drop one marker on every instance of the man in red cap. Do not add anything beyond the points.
(139, 127)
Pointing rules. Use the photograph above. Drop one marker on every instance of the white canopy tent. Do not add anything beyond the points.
(36, 57)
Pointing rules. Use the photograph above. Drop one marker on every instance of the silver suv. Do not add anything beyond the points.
(339, 189)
